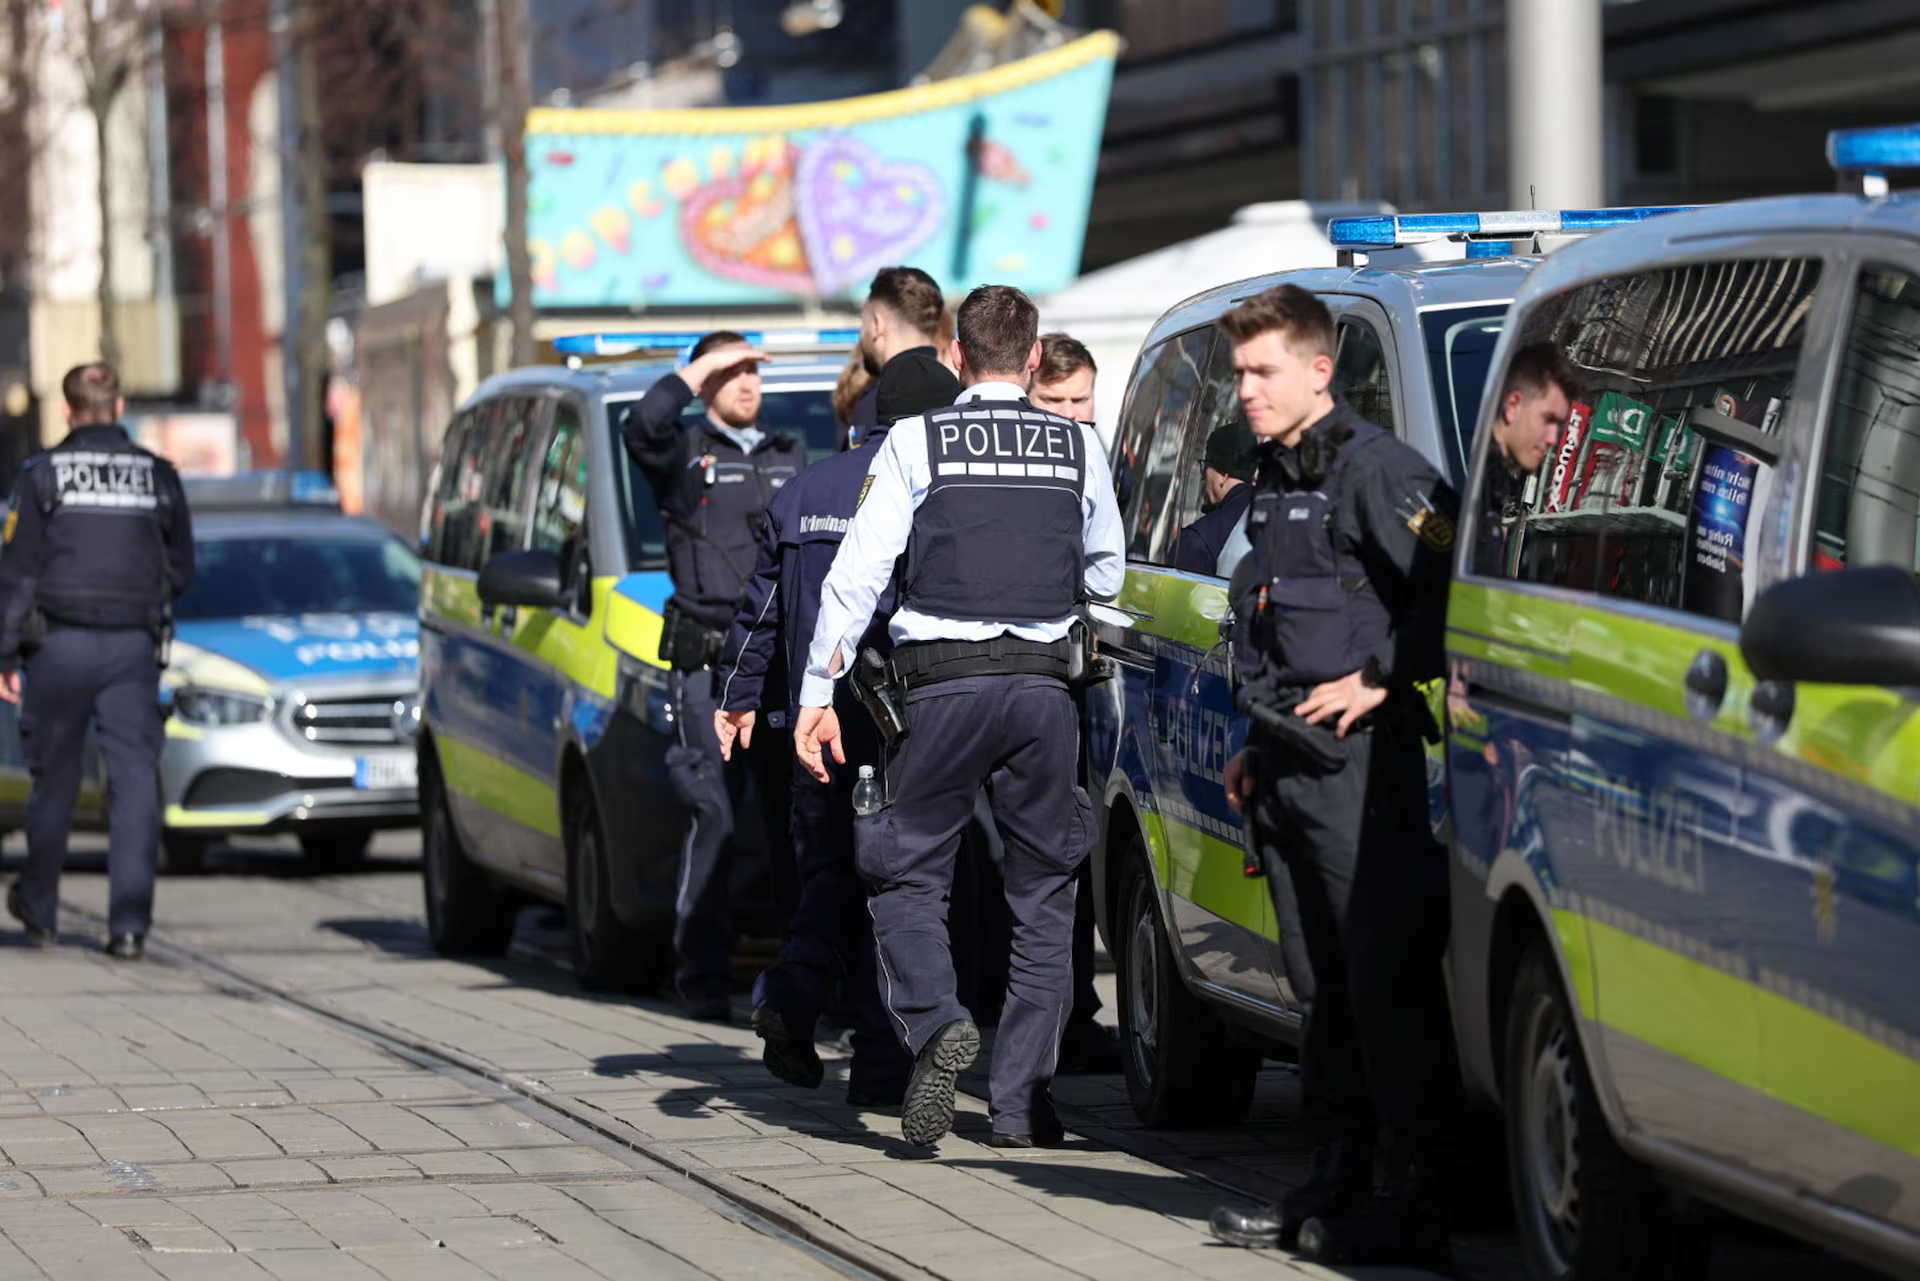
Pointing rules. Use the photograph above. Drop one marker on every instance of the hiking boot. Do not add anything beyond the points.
(927, 1111)
(788, 1055)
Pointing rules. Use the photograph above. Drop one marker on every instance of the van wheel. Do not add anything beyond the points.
(1183, 1065)
(183, 853)
(608, 955)
(466, 914)
(1587, 1211)
(335, 851)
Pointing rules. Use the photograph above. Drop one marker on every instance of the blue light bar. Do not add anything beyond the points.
(1380, 232)
(1874, 150)
(1489, 248)
(629, 343)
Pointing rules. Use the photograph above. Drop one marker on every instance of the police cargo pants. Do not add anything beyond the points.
(1360, 890)
(107, 679)
(1018, 737)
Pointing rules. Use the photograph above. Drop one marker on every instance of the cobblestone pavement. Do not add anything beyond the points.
(154, 1120)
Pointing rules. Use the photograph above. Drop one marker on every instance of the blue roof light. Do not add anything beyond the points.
(626, 344)
(1874, 151)
(1372, 233)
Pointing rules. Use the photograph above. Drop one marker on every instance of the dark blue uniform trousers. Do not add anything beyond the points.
(710, 788)
(1018, 737)
(108, 679)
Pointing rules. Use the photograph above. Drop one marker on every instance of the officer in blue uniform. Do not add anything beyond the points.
(97, 545)
(1340, 609)
(1006, 516)
(712, 480)
(829, 941)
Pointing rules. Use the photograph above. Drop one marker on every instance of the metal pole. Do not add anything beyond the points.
(292, 232)
(160, 195)
(1554, 103)
(217, 198)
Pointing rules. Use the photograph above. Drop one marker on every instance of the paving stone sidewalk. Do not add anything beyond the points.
(697, 1095)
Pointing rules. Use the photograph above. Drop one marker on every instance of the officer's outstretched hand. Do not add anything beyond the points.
(1348, 698)
(818, 729)
(728, 726)
(1239, 782)
(10, 687)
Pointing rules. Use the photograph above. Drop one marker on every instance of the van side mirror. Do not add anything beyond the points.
(1852, 627)
(530, 578)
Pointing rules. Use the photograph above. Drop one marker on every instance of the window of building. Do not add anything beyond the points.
(1147, 474)
(1652, 493)
(1869, 511)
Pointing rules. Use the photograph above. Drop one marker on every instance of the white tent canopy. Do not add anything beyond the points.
(1112, 310)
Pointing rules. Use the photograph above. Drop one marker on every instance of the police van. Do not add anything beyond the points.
(546, 708)
(1683, 744)
(1204, 989)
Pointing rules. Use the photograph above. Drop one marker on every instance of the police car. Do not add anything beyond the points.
(293, 685)
(1683, 751)
(546, 708)
(1204, 989)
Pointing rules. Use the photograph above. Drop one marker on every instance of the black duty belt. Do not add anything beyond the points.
(929, 662)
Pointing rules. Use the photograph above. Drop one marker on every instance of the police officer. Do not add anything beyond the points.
(902, 314)
(1007, 519)
(97, 544)
(1535, 405)
(712, 480)
(1341, 608)
(829, 941)
(1215, 543)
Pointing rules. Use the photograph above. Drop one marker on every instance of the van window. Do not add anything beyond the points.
(512, 455)
(446, 487)
(1869, 512)
(463, 537)
(1460, 343)
(1652, 493)
(1362, 374)
(639, 513)
(560, 502)
(1146, 467)
(1217, 459)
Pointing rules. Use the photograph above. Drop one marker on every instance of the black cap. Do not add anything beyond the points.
(1230, 450)
(914, 382)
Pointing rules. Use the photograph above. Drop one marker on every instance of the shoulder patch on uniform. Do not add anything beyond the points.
(1431, 526)
(13, 519)
(865, 485)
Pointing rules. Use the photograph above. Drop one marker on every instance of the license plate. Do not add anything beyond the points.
(382, 773)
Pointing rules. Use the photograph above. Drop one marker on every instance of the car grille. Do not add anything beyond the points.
(250, 787)
(363, 721)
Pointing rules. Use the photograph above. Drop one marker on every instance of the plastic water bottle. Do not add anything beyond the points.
(866, 793)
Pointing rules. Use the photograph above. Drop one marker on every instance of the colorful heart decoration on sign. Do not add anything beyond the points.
(742, 226)
(858, 213)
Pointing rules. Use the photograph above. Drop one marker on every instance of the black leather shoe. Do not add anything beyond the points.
(927, 1111)
(788, 1056)
(1089, 1049)
(1045, 1135)
(127, 947)
(37, 935)
(1407, 1223)
(1339, 1177)
(1255, 1229)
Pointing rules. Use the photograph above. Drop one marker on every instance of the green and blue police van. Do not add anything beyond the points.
(546, 712)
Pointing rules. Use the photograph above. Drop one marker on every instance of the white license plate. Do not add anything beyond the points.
(382, 773)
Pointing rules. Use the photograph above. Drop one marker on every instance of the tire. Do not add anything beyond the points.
(1585, 1209)
(335, 851)
(608, 955)
(1182, 1063)
(466, 914)
(183, 853)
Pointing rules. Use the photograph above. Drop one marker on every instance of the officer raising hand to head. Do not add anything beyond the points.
(1007, 518)
(97, 544)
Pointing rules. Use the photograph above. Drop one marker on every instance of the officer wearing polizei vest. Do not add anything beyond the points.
(1007, 519)
(829, 941)
(712, 481)
(97, 545)
(1340, 609)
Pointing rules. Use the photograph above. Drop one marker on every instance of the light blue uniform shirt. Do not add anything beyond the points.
(880, 531)
(747, 438)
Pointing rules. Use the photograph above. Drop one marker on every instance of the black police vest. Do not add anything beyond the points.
(999, 536)
(1321, 617)
(106, 551)
(714, 526)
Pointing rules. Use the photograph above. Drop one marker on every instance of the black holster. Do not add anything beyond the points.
(877, 685)
(686, 643)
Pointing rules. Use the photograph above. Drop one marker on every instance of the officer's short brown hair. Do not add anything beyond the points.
(718, 338)
(92, 392)
(1536, 366)
(997, 327)
(910, 294)
(1061, 357)
(1302, 320)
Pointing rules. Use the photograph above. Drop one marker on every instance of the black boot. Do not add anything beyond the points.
(1338, 1179)
(1407, 1222)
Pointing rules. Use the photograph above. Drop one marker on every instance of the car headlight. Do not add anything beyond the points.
(197, 705)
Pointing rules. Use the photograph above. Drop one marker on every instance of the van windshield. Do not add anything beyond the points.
(1460, 343)
(805, 413)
